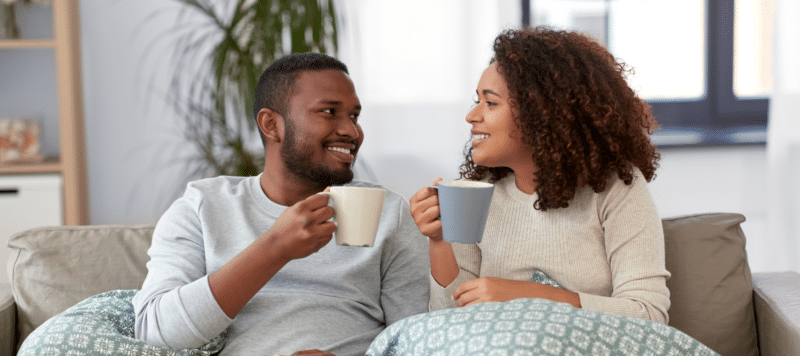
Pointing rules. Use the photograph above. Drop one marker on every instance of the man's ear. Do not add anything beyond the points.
(271, 125)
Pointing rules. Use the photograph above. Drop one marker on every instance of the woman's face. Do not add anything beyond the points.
(497, 141)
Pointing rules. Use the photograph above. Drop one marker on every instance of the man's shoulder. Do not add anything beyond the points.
(224, 185)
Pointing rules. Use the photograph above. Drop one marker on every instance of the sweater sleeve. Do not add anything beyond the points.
(175, 307)
(634, 242)
(468, 258)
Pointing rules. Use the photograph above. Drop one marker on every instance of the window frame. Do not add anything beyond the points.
(719, 118)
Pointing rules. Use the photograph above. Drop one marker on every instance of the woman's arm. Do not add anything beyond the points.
(490, 289)
(425, 211)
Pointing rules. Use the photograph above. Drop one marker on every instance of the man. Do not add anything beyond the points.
(251, 255)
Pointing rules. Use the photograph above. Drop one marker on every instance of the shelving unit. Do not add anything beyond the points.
(70, 162)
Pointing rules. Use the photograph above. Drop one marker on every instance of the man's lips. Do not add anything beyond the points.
(342, 151)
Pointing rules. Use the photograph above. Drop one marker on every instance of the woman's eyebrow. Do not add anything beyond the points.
(490, 91)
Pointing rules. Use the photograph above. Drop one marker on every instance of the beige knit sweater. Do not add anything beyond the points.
(608, 247)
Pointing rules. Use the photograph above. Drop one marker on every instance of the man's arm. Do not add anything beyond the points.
(180, 307)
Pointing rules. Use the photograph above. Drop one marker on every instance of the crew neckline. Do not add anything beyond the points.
(509, 184)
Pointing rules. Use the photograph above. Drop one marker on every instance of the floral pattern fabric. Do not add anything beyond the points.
(100, 325)
(531, 327)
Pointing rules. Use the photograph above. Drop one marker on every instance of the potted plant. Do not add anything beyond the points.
(217, 63)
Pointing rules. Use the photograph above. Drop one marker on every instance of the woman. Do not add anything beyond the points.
(565, 140)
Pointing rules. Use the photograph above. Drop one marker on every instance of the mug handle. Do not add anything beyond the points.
(331, 197)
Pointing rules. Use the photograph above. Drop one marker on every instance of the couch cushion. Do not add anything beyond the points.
(711, 289)
(53, 268)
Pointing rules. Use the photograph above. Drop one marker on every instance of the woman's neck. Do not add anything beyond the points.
(524, 178)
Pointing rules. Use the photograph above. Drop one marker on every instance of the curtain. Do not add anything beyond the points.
(783, 141)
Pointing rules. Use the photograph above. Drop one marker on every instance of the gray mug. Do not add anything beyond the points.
(464, 208)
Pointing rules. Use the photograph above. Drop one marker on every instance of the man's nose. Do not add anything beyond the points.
(348, 128)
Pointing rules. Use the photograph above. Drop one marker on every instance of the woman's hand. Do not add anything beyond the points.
(425, 211)
(490, 289)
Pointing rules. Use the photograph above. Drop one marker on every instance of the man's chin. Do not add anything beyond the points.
(326, 179)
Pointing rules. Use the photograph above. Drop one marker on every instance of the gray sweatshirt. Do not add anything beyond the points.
(338, 299)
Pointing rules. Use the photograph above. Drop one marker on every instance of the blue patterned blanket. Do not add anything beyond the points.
(100, 325)
(531, 327)
(103, 325)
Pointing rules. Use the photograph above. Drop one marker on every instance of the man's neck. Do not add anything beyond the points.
(285, 189)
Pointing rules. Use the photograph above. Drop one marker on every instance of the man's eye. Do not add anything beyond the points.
(328, 111)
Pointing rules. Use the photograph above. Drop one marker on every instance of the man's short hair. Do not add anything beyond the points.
(277, 82)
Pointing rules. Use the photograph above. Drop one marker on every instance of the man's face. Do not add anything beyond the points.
(322, 134)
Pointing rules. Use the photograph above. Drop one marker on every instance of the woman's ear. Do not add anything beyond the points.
(271, 125)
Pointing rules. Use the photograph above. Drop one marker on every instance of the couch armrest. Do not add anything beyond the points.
(777, 300)
(8, 320)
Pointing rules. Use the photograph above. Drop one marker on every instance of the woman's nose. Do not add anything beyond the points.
(473, 115)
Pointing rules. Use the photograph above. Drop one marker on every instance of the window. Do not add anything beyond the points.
(702, 65)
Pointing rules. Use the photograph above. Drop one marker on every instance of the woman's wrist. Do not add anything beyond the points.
(444, 267)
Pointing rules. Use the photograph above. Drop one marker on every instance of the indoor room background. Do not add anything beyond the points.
(416, 63)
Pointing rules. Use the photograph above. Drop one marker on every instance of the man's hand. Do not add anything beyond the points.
(490, 289)
(303, 228)
(425, 211)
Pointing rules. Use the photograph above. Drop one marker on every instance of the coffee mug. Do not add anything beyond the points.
(357, 212)
(464, 208)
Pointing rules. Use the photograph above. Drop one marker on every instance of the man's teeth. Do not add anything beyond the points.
(481, 136)
(339, 149)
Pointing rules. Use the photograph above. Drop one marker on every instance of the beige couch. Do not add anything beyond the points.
(714, 297)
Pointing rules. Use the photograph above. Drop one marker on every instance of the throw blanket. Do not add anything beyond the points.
(103, 325)
(100, 325)
(531, 327)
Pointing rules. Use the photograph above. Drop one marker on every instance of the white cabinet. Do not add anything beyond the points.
(27, 201)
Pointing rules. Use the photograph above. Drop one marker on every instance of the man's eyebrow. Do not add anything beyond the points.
(336, 103)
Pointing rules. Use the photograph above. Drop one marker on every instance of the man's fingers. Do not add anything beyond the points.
(322, 214)
(313, 202)
(326, 228)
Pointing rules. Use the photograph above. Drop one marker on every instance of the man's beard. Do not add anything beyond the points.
(297, 160)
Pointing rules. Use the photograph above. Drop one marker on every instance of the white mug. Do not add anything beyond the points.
(357, 212)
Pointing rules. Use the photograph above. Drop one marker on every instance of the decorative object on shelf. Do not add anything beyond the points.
(8, 20)
(19, 141)
(234, 42)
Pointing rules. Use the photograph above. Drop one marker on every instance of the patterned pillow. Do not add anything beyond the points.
(531, 327)
(100, 325)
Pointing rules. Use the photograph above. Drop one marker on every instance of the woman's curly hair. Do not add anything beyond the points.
(575, 111)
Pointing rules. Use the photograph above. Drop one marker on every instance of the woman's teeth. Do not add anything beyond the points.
(481, 136)
(339, 149)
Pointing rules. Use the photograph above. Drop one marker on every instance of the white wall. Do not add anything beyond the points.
(130, 143)
(132, 140)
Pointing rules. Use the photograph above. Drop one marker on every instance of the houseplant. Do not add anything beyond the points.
(221, 49)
